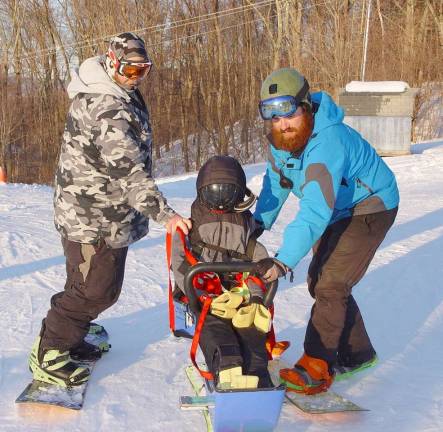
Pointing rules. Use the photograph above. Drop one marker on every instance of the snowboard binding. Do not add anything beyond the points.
(56, 367)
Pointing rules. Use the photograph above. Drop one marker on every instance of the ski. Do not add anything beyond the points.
(198, 385)
(322, 403)
(196, 402)
(38, 392)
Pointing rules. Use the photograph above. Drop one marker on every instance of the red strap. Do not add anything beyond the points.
(170, 297)
(270, 341)
(196, 338)
(188, 254)
(191, 259)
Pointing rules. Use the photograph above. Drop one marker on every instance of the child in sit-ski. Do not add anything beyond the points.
(233, 337)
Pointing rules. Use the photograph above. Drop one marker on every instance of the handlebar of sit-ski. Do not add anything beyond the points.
(220, 267)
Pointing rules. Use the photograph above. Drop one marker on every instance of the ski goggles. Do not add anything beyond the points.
(282, 106)
(130, 69)
(221, 196)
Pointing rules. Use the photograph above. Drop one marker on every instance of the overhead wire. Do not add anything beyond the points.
(156, 28)
(200, 19)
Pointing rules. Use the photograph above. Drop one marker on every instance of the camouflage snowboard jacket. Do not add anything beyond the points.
(103, 184)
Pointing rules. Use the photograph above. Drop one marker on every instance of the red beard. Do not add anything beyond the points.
(293, 139)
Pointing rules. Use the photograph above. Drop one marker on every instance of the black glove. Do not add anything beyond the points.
(270, 269)
(258, 230)
(255, 292)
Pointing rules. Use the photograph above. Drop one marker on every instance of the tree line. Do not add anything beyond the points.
(210, 57)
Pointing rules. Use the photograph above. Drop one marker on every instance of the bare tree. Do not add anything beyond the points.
(210, 58)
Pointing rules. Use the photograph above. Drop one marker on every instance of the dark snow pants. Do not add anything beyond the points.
(94, 278)
(336, 331)
(225, 347)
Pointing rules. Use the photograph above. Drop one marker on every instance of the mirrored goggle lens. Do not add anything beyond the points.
(278, 107)
(220, 196)
(135, 70)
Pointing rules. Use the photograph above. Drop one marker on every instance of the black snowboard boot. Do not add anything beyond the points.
(85, 352)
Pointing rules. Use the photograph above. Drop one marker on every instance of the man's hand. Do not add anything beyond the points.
(270, 269)
(178, 221)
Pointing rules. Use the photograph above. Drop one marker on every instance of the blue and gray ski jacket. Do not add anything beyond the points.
(337, 175)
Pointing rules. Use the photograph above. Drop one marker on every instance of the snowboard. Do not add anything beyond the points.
(321, 403)
(38, 392)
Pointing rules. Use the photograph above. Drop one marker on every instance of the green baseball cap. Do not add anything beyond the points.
(286, 82)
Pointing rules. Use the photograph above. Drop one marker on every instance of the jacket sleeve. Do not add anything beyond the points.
(116, 136)
(324, 169)
(271, 198)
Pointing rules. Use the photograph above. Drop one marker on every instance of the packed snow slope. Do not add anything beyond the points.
(136, 386)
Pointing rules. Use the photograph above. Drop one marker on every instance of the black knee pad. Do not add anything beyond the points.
(227, 356)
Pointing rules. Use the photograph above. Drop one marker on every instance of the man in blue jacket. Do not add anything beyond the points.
(348, 201)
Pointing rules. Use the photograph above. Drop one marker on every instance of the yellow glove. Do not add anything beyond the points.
(262, 319)
(233, 378)
(254, 314)
(245, 316)
(226, 304)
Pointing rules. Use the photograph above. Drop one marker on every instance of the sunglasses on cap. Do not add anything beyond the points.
(130, 69)
(282, 106)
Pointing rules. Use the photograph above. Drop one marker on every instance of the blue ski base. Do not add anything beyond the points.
(256, 410)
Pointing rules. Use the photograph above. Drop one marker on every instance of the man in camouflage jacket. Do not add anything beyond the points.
(104, 198)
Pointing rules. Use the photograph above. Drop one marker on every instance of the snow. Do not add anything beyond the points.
(376, 87)
(137, 385)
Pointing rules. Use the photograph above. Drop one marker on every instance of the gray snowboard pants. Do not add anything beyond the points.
(94, 278)
(336, 331)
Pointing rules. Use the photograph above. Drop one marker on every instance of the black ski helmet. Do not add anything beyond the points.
(221, 185)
